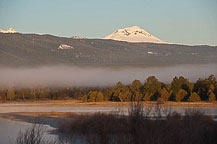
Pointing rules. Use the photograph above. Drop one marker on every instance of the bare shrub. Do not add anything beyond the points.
(33, 135)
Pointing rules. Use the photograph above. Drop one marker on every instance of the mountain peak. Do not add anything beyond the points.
(133, 34)
(9, 30)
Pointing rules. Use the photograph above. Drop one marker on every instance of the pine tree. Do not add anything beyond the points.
(32, 94)
(136, 85)
(164, 95)
(137, 96)
(92, 96)
(84, 98)
(10, 93)
(212, 97)
(152, 85)
(194, 97)
(42, 94)
(181, 95)
(100, 97)
(107, 95)
(125, 94)
(147, 96)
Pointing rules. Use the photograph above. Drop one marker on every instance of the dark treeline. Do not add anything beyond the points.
(180, 89)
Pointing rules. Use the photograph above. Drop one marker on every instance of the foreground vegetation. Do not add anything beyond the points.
(180, 89)
(141, 126)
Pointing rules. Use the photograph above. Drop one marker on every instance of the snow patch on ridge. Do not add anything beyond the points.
(151, 53)
(64, 46)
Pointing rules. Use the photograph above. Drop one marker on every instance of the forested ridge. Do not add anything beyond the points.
(180, 89)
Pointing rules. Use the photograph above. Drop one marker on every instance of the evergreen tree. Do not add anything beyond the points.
(125, 94)
(152, 86)
(107, 95)
(92, 96)
(147, 96)
(135, 89)
(10, 93)
(181, 95)
(100, 97)
(115, 92)
(3, 95)
(135, 86)
(181, 83)
(37, 93)
(137, 96)
(194, 97)
(84, 98)
(164, 95)
(212, 97)
(42, 94)
(32, 94)
(204, 86)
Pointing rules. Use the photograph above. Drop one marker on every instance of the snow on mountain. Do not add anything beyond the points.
(133, 34)
(78, 37)
(9, 30)
(64, 46)
(151, 53)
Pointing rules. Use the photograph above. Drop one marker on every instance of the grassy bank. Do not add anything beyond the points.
(104, 103)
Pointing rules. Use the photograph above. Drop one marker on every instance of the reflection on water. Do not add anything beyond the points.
(9, 108)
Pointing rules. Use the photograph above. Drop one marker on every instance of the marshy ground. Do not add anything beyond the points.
(74, 119)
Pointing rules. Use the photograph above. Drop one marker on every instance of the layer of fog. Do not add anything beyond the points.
(77, 76)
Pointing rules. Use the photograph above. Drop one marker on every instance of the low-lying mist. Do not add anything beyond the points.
(100, 76)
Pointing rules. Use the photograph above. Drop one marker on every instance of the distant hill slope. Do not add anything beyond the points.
(37, 50)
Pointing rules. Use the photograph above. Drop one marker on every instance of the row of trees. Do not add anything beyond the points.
(43, 93)
(180, 89)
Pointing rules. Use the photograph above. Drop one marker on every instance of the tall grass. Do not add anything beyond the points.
(33, 135)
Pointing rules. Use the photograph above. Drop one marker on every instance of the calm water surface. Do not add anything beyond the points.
(10, 129)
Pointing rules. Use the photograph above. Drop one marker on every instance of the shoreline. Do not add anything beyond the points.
(59, 110)
(105, 103)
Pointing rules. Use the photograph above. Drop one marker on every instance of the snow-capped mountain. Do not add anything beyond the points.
(133, 34)
(9, 30)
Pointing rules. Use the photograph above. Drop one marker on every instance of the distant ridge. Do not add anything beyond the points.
(133, 34)
(18, 50)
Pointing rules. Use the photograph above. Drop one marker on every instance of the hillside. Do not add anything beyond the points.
(18, 50)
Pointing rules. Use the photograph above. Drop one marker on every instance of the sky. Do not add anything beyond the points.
(192, 22)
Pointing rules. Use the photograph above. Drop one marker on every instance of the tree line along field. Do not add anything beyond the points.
(180, 89)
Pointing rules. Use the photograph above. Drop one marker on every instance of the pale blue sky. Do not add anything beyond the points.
(175, 21)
